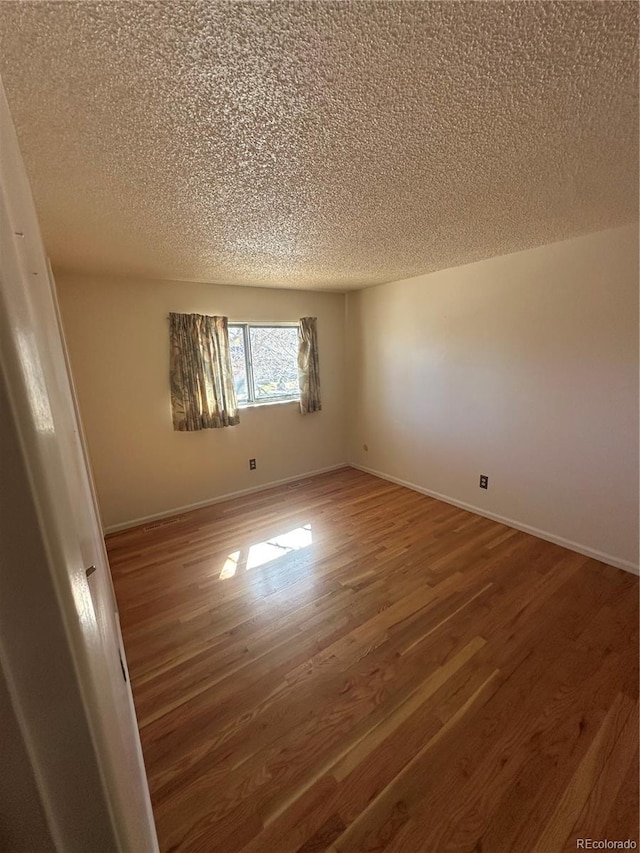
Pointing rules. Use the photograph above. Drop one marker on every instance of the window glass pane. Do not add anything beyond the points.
(238, 362)
(274, 353)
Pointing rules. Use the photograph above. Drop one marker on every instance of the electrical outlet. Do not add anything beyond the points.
(252, 464)
(484, 481)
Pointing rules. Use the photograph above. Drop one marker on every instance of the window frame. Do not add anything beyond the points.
(248, 360)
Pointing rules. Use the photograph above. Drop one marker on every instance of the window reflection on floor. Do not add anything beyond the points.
(267, 551)
(230, 565)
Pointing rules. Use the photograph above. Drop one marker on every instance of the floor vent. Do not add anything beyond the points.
(163, 523)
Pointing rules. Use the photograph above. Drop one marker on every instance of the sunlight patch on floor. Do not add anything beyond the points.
(230, 566)
(267, 551)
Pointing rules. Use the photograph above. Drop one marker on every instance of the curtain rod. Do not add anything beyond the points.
(249, 322)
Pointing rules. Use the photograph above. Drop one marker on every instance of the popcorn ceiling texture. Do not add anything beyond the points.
(320, 144)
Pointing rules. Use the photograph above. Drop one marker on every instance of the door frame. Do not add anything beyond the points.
(77, 722)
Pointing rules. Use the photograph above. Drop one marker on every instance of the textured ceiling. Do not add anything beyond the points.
(320, 144)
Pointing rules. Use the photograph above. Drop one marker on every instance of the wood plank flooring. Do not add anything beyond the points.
(341, 664)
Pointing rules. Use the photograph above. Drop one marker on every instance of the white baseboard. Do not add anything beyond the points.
(136, 522)
(626, 565)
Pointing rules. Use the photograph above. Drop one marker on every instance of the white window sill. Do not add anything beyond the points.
(262, 403)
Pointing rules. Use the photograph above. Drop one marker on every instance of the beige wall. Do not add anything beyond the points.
(23, 826)
(117, 333)
(522, 367)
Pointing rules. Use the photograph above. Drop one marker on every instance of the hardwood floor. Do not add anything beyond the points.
(390, 673)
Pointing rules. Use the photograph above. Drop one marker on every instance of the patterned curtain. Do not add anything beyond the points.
(202, 391)
(308, 366)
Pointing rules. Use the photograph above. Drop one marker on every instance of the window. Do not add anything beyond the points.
(265, 362)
